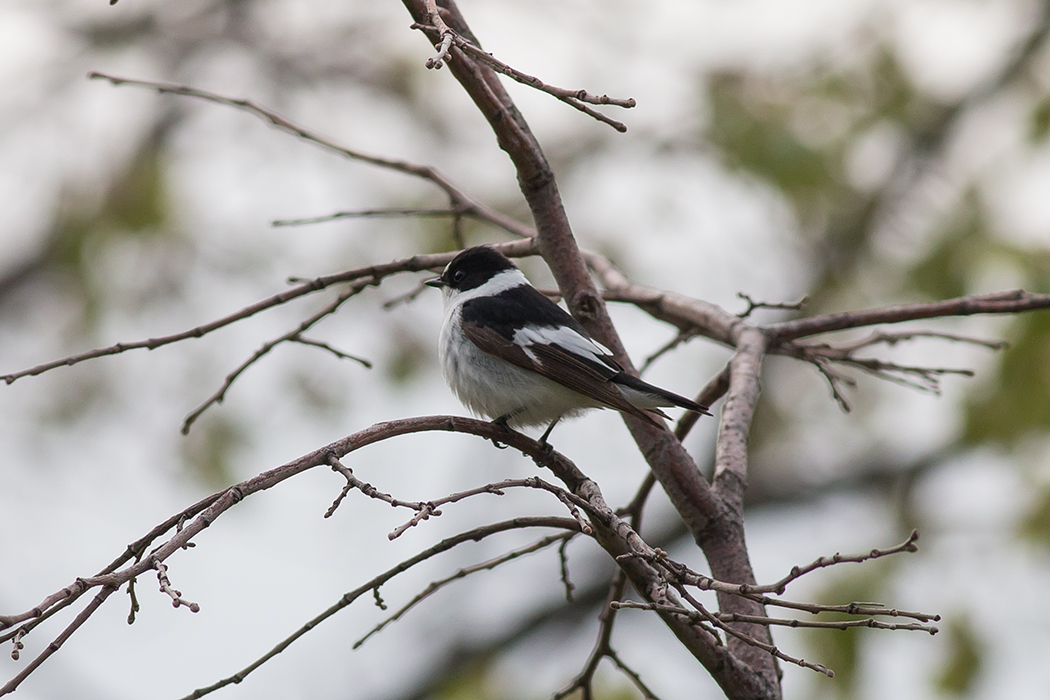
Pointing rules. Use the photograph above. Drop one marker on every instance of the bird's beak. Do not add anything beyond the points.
(436, 282)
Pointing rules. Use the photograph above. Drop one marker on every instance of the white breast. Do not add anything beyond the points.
(492, 387)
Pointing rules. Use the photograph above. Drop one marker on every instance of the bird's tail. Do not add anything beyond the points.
(648, 397)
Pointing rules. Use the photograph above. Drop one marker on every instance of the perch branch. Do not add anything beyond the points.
(586, 495)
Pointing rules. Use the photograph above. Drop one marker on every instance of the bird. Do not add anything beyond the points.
(512, 355)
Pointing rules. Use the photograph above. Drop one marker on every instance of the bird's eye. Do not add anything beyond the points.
(458, 276)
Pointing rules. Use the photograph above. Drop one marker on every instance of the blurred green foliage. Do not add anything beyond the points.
(135, 204)
(408, 355)
(1035, 526)
(469, 683)
(318, 390)
(756, 124)
(478, 682)
(796, 132)
(771, 127)
(963, 664)
(209, 448)
(1040, 127)
(753, 130)
(1019, 401)
(841, 650)
(947, 268)
(79, 395)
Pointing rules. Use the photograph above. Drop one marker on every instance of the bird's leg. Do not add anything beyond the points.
(502, 422)
(546, 433)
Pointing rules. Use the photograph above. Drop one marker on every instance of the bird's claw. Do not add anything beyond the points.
(501, 422)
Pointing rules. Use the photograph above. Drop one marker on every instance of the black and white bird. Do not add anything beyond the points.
(512, 355)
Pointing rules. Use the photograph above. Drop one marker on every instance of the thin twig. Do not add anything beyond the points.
(646, 692)
(1005, 302)
(603, 644)
(753, 641)
(457, 232)
(373, 273)
(133, 600)
(835, 378)
(295, 334)
(57, 643)
(325, 346)
(824, 624)
(681, 337)
(701, 615)
(369, 214)
(472, 535)
(571, 501)
(352, 482)
(687, 576)
(425, 509)
(68, 595)
(927, 378)
(884, 338)
(867, 609)
(445, 34)
(458, 198)
(578, 99)
(753, 305)
(407, 297)
(435, 586)
(16, 643)
(165, 587)
(534, 82)
(563, 565)
(435, 62)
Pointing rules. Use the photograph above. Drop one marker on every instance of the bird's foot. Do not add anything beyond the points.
(547, 448)
(501, 422)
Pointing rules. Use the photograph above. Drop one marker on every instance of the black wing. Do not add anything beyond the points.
(550, 343)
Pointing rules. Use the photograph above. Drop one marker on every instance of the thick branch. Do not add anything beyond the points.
(730, 477)
(682, 481)
(615, 535)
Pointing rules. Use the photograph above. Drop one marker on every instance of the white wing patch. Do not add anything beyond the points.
(563, 337)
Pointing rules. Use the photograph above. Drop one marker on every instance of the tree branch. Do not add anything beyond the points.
(458, 199)
(435, 586)
(373, 273)
(445, 38)
(472, 535)
(1006, 302)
